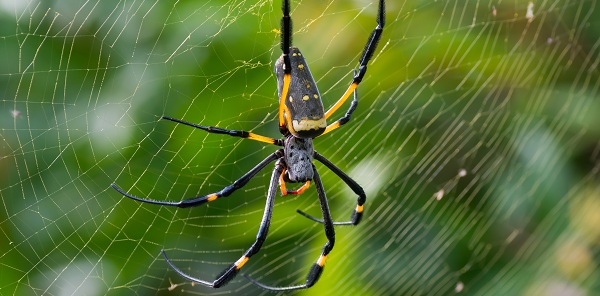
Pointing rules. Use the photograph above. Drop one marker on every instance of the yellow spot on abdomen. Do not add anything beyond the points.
(305, 97)
(301, 66)
(291, 99)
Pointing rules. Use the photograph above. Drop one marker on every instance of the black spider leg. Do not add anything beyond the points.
(317, 268)
(367, 54)
(358, 211)
(286, 36)
(233, 133)
(371, 43)
(285, 44)
(198, 200)
(231, 271)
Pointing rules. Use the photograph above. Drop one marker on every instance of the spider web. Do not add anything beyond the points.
(477, 140)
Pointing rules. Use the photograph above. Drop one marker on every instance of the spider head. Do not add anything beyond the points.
(298, 155)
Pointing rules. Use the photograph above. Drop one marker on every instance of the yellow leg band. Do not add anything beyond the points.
(212, 197)
(241, 262)
(331, 127)
(359, 209)
(282, 183)
(284, 92)
(261, 138)
(322, 260)
(341, 101)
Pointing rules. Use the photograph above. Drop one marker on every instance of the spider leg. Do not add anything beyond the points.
(198, 200)
(358, 211)
(347, 116)
(317, 268)
(233, 133)
(364, 60)
(286, 43)
(231, 271)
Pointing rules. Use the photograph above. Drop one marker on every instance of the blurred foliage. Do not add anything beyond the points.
(481, 88)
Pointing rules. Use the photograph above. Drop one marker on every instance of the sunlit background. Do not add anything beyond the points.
(476, 138)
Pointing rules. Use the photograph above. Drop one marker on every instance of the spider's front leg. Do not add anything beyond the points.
(233, 133)
(366, 56)
(231, 271)
(343, 120)
(198, 200)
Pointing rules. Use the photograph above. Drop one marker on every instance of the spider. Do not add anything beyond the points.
(301, 119)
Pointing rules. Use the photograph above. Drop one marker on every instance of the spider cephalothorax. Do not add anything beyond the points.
(298, 156)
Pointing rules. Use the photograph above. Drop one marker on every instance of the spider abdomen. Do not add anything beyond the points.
(298, 155)
(305, 116)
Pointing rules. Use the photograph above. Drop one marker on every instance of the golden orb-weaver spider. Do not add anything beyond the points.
(301, 119)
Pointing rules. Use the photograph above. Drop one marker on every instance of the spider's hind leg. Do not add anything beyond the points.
(231, 271)
(358, 211)
(343, 120)
(317, 268)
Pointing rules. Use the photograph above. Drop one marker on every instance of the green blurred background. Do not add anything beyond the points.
(477, 140)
